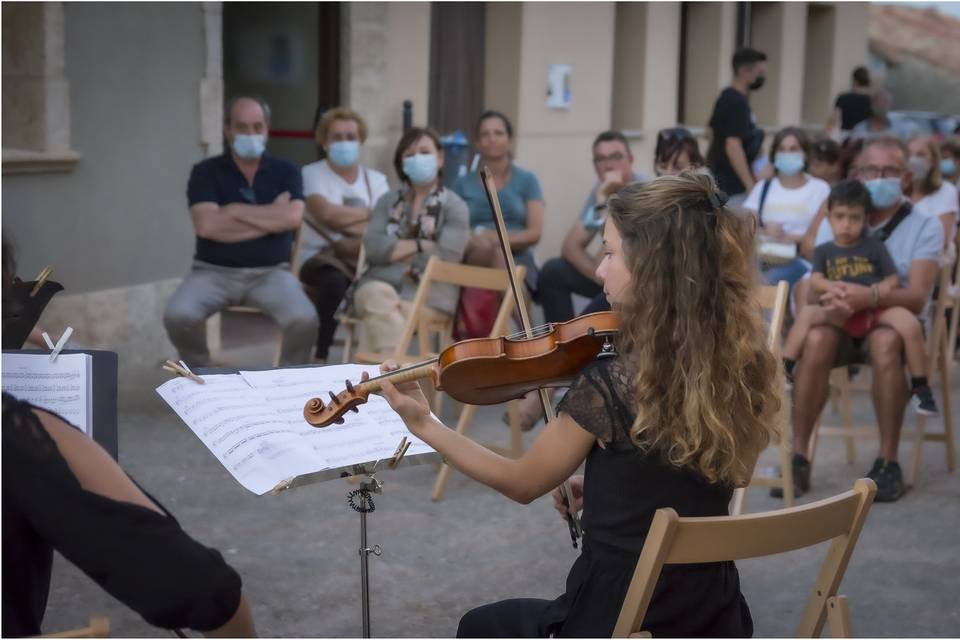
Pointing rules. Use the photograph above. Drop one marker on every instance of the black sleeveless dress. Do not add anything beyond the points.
(142, 558)
(623, 488)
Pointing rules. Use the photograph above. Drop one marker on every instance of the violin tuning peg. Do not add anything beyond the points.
(339, 421)
(355, 410)
(349, 385)
(333, 398)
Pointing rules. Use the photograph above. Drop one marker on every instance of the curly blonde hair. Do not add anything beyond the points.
(707, 387)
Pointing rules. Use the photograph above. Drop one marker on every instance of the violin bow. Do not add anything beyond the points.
(573, 522)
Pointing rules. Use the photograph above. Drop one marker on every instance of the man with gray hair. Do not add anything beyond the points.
(246, 206)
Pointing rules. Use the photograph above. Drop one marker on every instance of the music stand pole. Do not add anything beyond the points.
(361, 502)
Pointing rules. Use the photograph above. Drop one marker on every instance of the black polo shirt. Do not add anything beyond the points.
(219, 180)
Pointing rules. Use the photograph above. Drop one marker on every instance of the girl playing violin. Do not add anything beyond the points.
(677, 419)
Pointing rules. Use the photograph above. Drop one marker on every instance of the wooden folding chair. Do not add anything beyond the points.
(953, 303)
(775, 300)
(214, 324)
(347, 320)
(938, 357)
(99, 628)
(461, 275)
(676, 540)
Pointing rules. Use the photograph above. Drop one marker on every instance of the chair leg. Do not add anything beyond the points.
(440, 484)
(213, 327)
(347, 343)
(838, 617)
(516, 433)
(945, 381)
(739, 498)
(786, 462)
(847, 418)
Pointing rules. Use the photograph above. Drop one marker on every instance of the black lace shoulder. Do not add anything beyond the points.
(26, 443)
(600, 400)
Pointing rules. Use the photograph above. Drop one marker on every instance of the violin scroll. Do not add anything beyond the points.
(320, 414)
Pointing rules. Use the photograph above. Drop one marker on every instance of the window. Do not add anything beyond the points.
(36, 95)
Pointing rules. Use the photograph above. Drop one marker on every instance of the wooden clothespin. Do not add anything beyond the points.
(41, 278)
(55, 349)
(282, 486)
(399, 453)
(181, 369)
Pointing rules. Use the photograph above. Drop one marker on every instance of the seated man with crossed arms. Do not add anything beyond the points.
(245, 206)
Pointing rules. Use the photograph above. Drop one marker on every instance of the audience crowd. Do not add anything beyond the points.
(358, 246)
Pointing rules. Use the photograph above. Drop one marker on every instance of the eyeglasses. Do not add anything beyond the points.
(673, 133)
(249, 195)
(616, 156)
(871, 172)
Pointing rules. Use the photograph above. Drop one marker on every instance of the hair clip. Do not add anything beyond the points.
(718, 198)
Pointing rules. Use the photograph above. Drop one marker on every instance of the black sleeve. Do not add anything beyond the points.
(595, 401)
(294, 182)
(142, 558)
(202, 187)
(819, 264)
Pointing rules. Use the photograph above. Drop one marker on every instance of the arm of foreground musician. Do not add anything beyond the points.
(556, 453)
(101, 521)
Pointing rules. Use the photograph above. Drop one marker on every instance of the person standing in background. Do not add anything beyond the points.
(853, 107)
(736, 138)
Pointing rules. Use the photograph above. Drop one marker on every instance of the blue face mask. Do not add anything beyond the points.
(884, 192)
(948, 166)
(421, 168)
(345, 153)
(249, 145)
(788, 163)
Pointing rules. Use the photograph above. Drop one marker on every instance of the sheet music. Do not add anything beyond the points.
(370, 434)
(63, 386)
(253, 423)
(241, 429)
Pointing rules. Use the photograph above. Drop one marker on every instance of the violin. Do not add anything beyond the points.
(521, 373)
(485, 371)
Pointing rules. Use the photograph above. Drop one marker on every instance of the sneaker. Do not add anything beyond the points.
(889, 479)
(922, 401)
(801, 478)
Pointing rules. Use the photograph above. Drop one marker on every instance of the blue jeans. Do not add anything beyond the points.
(791, 271)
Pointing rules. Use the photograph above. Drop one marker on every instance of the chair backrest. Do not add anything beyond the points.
(461, 275)
(774, 299)
(676, 540)
(938, 315)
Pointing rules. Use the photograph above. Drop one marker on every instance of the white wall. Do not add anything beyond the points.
(120, 217)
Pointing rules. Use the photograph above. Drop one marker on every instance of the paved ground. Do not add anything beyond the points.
(297, 552)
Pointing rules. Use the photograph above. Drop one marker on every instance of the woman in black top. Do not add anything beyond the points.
(62, 492)
(677, 420)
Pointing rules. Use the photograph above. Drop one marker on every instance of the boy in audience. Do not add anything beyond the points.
(851, 257)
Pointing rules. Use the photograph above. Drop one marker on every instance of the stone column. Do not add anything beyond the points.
(385, 60)
(779, 30)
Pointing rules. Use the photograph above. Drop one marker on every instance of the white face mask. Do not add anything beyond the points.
(249, 145)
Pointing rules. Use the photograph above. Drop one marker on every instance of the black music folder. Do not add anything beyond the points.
(81, 388)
